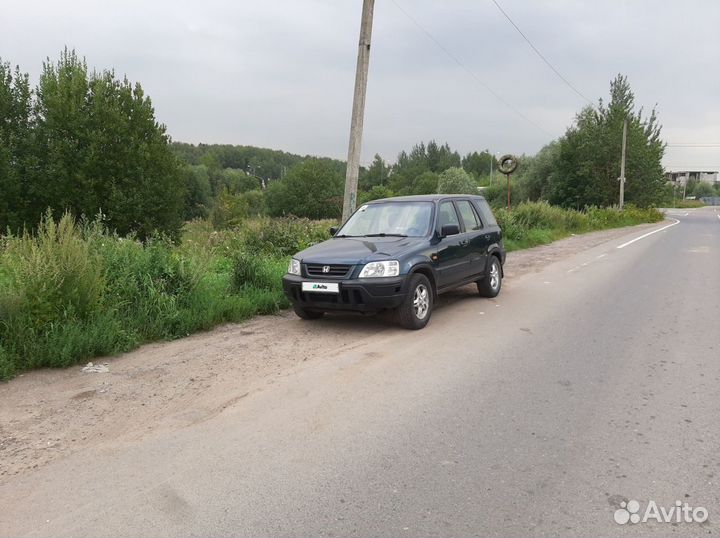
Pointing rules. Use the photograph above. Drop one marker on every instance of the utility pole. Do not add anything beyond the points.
(622, 165)
(358, 110)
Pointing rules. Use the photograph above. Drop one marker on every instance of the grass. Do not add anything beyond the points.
(538, 223)
(687, 204)
(74, 291)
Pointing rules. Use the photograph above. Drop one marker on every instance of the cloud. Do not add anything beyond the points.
(280, 74)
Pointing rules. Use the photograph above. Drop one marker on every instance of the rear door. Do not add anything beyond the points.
(452, 251)
(477, 244)
(491, 231)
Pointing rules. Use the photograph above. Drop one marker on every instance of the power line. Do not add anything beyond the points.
(540, 55)
(470, 72)
(710, 145)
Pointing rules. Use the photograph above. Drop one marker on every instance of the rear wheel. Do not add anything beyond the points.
(490, 285)
(416, 309)
(307, 314)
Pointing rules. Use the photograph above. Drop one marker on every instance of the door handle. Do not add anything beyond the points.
(464, 243)
(488, 236)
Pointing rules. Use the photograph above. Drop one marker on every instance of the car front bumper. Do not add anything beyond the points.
(366, 295)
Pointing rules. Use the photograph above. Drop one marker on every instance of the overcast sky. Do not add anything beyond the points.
(280, 73)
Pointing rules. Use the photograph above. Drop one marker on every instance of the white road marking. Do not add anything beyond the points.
(601, 256)
(649, 234)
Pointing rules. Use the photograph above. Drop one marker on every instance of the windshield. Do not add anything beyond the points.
(411, 219)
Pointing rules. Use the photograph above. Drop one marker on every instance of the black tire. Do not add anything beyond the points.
(412, 315)
(307, 314)
(490, 285)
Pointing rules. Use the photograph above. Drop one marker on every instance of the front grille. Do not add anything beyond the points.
(327, 271)
(345, 297)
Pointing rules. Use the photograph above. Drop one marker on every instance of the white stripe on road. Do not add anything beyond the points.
(649, 234)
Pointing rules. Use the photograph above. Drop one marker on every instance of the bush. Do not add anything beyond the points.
(53, 275)
(259, 271)
(535, 223)
(230, 210)
(612, 217)
(376, 193)
(312, 189)
(77, 291)
(284, 236)
(456, 181)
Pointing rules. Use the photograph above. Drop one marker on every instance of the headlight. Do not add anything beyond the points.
(378, 269)
(294, 267)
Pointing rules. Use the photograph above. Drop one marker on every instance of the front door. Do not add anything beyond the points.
(452, 251)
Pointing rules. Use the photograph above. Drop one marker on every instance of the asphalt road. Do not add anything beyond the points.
(590, 382)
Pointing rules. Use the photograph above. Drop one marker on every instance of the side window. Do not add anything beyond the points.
(486, 213)
(448, 215)
(470, 218)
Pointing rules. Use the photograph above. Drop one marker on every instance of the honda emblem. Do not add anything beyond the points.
(326, 268)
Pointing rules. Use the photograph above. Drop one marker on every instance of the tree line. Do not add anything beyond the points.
(89, 143)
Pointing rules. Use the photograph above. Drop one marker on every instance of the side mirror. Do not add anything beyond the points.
(449, 229)
(333, 230)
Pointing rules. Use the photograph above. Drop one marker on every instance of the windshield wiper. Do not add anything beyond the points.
(385, 235)
(345, 235)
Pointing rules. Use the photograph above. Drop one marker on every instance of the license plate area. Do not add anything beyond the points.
(321, 287)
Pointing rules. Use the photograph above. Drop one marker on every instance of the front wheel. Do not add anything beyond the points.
(307, 314)
(416, 309)
(490, 285)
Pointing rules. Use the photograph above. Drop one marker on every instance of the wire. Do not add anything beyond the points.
(711, 145)
(534, 48)
(470, 72)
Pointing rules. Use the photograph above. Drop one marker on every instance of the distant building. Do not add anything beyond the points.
(681, 178)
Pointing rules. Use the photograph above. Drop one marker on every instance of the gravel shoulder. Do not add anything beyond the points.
(48, 414)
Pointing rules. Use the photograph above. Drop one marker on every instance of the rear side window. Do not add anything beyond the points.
(486, 212)
(470, 218)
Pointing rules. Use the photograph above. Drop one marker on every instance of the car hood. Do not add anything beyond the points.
(356, 250)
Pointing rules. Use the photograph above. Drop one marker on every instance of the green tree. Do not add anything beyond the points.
(312, 189)
(410, 166)
(98, 148)
(198, 193)
(539, 172)
(441, 158)
(233, 180)
(456, 181)
(376, 193)
(588, 162)
(425, 183)
(479, 164)
(376, 174)
(16, 160)
(703, 189)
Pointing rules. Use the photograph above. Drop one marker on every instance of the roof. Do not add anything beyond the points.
(426, 198)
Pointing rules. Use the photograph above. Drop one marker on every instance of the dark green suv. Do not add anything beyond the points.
(400, 253)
